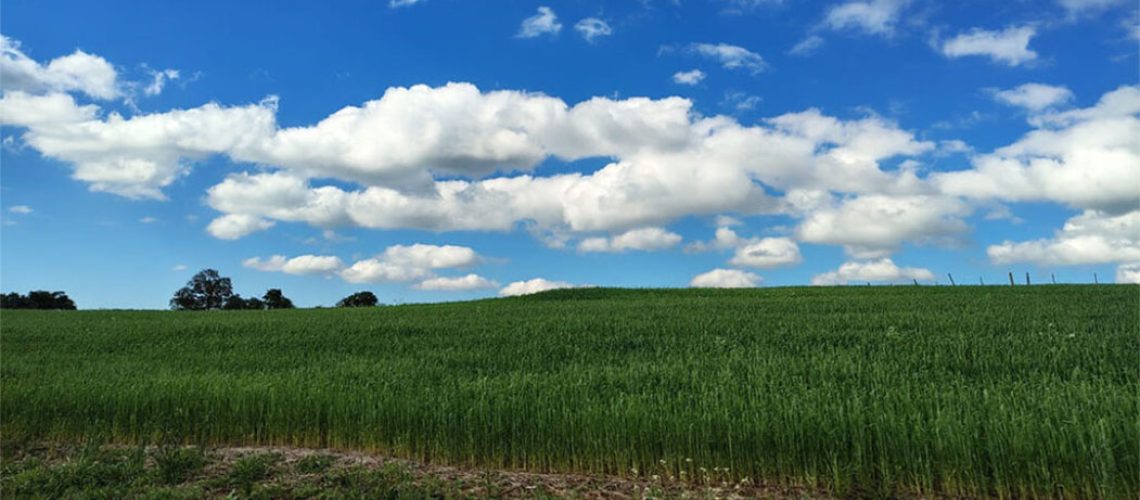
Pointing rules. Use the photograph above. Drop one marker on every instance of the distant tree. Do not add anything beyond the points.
(359, 299)
(60, 300)
(274, 299)
(234, 303)
(237, 303)
(13, 301)
(207, 290)
(37, 299)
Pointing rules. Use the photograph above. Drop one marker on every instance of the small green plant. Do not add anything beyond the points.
(314, 464)
(174, 464)
(250, 469)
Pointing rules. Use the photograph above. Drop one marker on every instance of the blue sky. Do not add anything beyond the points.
(446, 150)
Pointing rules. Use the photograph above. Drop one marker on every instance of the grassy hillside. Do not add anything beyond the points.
(973, 390)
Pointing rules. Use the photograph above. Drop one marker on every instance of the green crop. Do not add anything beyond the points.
(869, 391)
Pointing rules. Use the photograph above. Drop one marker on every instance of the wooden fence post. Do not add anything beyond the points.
(951, 280)
(1011, 278)
(1027, 278)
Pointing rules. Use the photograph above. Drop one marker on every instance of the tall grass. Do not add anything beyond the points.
(1026, 391)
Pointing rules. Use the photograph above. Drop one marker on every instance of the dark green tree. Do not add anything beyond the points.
(274, 299)
(13, 301)
(206, 291)
(234, 303)
(37, 299)
(359, 299)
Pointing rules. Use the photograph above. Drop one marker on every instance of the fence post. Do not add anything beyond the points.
(1095, 281)
(1027, 278)
(951, 280)
(1011, 278)
(981, 281)
(1053, 277)
(915, 281)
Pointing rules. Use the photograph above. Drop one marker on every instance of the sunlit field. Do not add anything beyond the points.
(1012, 391)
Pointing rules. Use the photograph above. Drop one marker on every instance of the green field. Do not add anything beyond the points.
(1013, 391)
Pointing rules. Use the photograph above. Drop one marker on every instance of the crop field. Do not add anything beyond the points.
(976, 391)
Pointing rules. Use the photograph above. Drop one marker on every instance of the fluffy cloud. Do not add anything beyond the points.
(878, 271)
(667, 161)
(1085, 158)
(461, 283)
(767, 252)
(723, 239)
(542, 23)
(1034, 96)
(533, 286)
(132, 157)
(409, 263)
(591, 28)
(234, 226)
(431, 256)
(691, 77)
(78, 72)
(725, 278)
(875, 225)
(378, 271)
(731, 56)
(874, 17)
(1009, 46)
(34, 111)
(1092, 237)
(647, 239)
(1128, 273)
(20, 209)
(300, 265)
(668, 167)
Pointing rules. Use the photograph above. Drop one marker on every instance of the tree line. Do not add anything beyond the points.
(208, 290)
(37, 299)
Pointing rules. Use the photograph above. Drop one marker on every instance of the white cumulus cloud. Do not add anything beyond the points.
(767, 252)
(646, 239)
(234, 226)
(691, 77)
(725, 278)
(875, 225)
(77, 72)
(409, 263)
(1128, 273)
(533, 286)
(1085, 158)
(1009, 46)
(877, 271)
(1034, 96)
(460, 283)
(1093, 237)
(300, 265)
